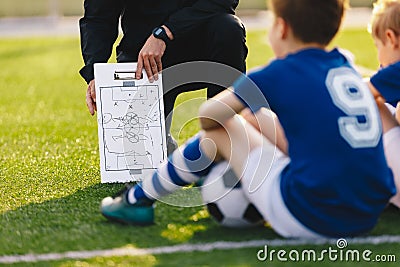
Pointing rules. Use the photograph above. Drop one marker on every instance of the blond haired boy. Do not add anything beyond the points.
(385, 84)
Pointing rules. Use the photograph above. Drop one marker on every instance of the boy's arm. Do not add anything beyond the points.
(377, 95)
(215, 111)
(388, 121)
(267, 123)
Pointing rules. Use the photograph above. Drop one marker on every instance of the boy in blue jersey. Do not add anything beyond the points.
(385, 84)
(313, 162)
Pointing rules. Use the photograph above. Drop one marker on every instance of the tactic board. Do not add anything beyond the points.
(131, 123)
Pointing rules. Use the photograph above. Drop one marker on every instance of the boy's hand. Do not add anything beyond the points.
(91, 97)
(398, 112)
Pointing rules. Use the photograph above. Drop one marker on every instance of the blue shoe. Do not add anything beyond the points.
(119, 210)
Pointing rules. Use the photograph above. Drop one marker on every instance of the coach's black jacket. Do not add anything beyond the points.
(99, 26)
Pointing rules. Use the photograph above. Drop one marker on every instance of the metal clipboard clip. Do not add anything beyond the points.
(126, 75)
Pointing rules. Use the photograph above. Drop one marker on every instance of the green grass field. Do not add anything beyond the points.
(49, 168)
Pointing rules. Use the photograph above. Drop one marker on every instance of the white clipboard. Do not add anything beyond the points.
(131, 123)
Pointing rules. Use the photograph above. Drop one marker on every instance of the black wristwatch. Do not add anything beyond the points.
(160, 33)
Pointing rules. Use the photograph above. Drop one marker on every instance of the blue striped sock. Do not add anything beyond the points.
(184, 166)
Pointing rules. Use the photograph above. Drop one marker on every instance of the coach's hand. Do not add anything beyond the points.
(150, 58)
(91, 97)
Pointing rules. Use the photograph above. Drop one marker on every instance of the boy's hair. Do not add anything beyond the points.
(312, 21)
(385, 16)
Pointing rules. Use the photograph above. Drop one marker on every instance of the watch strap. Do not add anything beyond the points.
(160, 33)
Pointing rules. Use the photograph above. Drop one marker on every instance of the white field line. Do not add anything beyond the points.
(222, 245)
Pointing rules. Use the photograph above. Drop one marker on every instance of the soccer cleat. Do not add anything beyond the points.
(119, 210)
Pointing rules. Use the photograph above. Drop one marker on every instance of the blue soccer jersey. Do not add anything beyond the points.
(387, 82)
(337, 182)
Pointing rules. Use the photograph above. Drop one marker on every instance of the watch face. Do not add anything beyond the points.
(158, 31)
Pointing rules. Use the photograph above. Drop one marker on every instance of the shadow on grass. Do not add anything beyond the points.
(74, 223)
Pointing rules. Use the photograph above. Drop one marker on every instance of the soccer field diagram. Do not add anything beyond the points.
(131, 123)
(132, 127)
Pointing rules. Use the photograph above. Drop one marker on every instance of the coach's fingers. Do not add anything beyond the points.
(90, 103)
(147, 68)
(159, 65)
(92, 88)
(139, 67)
(154, 67)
